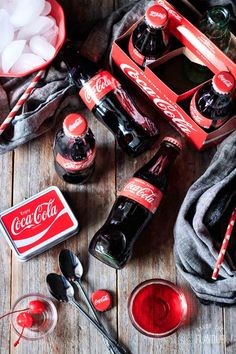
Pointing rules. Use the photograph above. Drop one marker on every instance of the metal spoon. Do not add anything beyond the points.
(72, 270)
(63, 291)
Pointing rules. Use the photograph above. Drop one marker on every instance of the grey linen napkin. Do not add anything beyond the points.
(52, 94)
(201, 225)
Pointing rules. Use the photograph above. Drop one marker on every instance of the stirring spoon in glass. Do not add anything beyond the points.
(63, 291)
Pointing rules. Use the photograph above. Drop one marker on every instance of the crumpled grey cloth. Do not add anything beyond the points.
(201, 225)
(52, 94)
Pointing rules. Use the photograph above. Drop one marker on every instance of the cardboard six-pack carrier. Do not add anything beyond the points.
(173, 104)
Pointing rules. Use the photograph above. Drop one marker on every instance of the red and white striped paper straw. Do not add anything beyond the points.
(21, 101)
(224, 245)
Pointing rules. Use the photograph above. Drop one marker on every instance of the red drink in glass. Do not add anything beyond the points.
(157, 308)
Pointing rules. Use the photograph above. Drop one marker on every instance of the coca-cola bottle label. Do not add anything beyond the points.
(97, 87)
(70, 165)
(143, 193)
(134, 53)
(204, 122)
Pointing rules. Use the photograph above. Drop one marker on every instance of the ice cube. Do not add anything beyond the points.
(51, 35)
(47, 9)
(7, 31)
(40, 25)
(11, 54)
(26, 11)
(26, 62)
(41, 47)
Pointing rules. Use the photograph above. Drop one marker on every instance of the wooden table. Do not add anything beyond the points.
(30, 169)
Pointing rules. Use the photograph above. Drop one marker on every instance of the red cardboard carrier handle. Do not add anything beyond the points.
(58, 14)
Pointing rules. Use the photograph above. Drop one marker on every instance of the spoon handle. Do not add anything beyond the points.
(79, 284)
(116, 347)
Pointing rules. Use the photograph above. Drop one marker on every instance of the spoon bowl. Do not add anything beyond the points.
(70, 265)
(59, 287)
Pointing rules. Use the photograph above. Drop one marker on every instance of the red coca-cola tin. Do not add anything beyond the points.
(38, 223)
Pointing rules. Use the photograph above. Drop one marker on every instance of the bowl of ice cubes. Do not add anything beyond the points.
(32, 33)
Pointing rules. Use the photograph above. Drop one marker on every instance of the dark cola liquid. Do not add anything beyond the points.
(149, 41)
(119, 114)
(214, 105)
(113, 243)
(69, 152)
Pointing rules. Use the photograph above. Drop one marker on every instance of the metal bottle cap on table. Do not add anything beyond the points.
(101, 300)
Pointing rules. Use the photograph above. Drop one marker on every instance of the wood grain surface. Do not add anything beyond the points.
(29, 169)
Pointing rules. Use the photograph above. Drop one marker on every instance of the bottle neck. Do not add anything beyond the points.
(80, 69)
(162, 160)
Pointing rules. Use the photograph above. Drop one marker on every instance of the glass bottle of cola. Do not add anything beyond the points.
(110, 104)
(215, 25)
(135, 207)
(74, 150)
(150, 39)
(213, 104)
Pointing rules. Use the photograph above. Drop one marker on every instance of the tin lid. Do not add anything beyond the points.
(38, 223)
(75, 125)
(223, 82)
(156, 16)
(101, 300)
(173, 141)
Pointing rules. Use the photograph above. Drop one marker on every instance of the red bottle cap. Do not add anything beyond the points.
(101, 300)
(156, 16)
(173, 141)
(75, 125)
(223, 82)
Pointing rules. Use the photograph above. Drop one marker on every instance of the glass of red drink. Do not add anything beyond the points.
(157, 308)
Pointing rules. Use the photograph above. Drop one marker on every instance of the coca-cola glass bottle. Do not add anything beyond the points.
(74, 150)
(134, 208)
(110, 104)
(212, 105)
(150, 39)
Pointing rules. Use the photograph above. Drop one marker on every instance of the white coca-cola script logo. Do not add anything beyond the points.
(101, 300)
(100, 85)
(170, 10)
(225, 81)
(76, 123)
(144, 193)
(43, 212)
(157, 14)
(165, 106)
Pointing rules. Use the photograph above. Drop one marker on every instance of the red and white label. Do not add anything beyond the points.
(204, 122)
(98, 87)
(143, 193)
(37, 222)
(134, 53)
(70, 165)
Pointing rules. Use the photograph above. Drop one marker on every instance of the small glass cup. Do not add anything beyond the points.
(43, 324)
(157, 308)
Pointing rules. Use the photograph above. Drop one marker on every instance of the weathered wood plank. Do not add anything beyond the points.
(90, 204)
(229, 330)
(5, 253)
